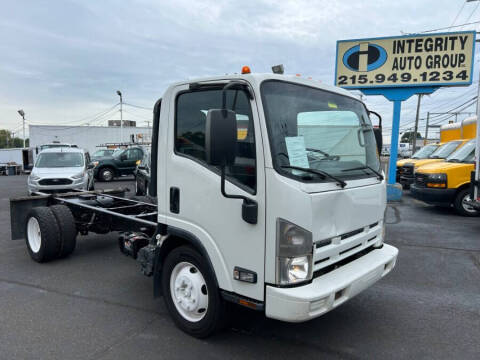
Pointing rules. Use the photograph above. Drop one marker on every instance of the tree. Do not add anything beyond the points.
(407, 136)
(7, 141)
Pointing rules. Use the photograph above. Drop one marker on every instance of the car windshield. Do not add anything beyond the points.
(425, 152)
(59, 159)
(319, 130)
(465, 154)
(445, 150)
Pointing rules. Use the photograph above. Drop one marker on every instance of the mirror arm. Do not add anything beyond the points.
(249, 206)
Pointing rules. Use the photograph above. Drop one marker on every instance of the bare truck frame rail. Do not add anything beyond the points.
(98, 211)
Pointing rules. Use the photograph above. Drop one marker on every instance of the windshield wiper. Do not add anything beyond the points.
(379, 175)
(322, 173)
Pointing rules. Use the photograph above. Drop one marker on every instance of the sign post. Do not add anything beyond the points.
(402, 66)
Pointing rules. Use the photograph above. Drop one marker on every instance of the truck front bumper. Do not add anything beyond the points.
(326, 292)
(442, 197)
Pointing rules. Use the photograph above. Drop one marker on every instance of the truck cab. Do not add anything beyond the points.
(447, 183)
(296, 226)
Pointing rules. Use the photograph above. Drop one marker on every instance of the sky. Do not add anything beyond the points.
(62, 61)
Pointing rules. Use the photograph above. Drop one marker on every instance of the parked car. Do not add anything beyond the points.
(122, 162)
(142, 174)
(60, 170)
(102, 153)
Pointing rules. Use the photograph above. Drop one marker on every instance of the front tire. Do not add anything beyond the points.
(461, 207)
(106, 174)
(42, 234)
(190, 293)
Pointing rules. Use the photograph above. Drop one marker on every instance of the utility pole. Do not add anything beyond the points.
(119, 93)
(22, 114)
(414, 147)
(426, 129)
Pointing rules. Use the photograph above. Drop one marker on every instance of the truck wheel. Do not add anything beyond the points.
(42, 234)
(67, 227)
(461, 207)
(190, 293)
(106, 174)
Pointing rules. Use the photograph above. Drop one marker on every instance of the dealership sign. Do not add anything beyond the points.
(418, 60)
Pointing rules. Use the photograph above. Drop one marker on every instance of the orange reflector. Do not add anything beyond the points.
(245, 70)
(247, 303)
(298, 75)
(436, 185)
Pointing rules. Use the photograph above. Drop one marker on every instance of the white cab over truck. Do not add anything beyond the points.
(266, 191)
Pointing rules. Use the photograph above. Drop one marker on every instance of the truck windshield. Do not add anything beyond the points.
(465, 154)
(445, 150)
(425, 152)
(58, 160)
(319, 130)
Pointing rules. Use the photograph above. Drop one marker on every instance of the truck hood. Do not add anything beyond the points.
(442, 167)
(421, 162)
(57, 172)
(347, 210)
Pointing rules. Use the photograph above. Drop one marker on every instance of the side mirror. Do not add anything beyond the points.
(221, 137)
(123, 157)
(379, 138)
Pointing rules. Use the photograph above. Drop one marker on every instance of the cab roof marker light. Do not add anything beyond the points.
(246, 70)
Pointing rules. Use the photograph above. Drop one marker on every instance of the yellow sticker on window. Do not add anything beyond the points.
(332, 105)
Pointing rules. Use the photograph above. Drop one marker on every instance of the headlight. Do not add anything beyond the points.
(437, 180)
(95, 163)
(78, 176)
(34, 177)
(294, 253)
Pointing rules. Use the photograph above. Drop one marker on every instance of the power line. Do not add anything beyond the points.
(456, 17)
(476, 7)
(445, 28)
(138, 106)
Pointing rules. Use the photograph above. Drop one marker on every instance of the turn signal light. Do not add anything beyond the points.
(246, 70)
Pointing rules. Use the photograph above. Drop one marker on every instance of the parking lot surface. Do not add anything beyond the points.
(96, 304)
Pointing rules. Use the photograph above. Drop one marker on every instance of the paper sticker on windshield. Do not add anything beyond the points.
(297, 154)
(332, 105)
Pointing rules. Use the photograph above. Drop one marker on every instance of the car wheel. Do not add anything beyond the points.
(460, 205)
(42, 234)
(106, 174)
(190, 293)
(67, 227)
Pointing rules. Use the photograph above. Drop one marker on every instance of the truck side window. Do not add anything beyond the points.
(190, 120)
(134, 154)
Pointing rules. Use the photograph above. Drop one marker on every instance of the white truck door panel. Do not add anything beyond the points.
(215, 220)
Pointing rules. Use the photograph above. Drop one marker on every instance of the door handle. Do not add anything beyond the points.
(174, 200)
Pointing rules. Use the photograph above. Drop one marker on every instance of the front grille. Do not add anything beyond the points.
(333, 250)
(420, 179)
(55, 182)
(407, 170)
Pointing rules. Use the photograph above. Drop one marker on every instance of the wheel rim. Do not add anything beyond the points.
(188, 289)
(467, 207)
(34, 234)
(107, 175)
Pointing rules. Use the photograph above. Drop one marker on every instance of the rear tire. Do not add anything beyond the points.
(190, 293)
(67, 227)
(42, 234)
(106, 174)
(461, 208)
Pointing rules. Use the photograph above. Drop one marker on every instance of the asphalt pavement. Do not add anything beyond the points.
(96, 304)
